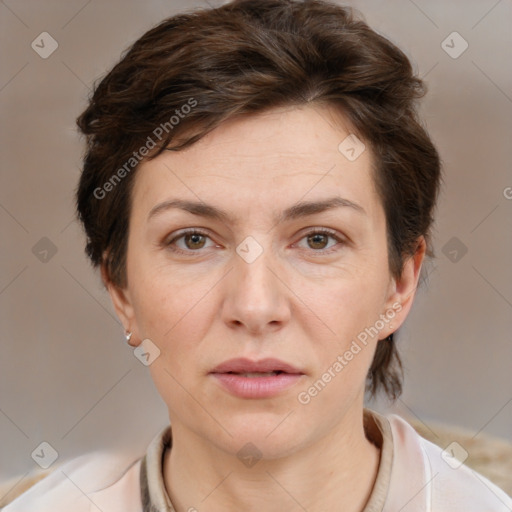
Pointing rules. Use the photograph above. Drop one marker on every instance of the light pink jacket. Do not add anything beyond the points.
(421, 481)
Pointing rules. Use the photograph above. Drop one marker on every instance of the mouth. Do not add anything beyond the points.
(252, 375)
(249, 368)
(244, 378)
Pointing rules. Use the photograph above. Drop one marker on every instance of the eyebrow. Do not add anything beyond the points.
(298, 210)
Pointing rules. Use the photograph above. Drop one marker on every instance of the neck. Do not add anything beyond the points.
(337, 472)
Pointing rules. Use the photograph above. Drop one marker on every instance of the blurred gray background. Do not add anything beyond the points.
(66, 375)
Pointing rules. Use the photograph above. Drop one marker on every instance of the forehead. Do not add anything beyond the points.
(279, 156)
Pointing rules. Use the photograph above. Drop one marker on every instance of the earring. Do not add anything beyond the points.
(128, 336)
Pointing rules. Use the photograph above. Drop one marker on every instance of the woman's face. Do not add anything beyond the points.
(255, 282)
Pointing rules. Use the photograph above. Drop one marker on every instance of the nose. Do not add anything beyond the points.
(256, 298)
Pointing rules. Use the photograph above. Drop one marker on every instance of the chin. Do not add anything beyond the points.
(264, 433)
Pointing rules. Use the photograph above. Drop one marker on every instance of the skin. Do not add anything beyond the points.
(293, 302)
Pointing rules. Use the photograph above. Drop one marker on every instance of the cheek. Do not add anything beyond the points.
(165, 297)
(175, 311)
(348, 302)
(177, 322)
(346, 311)
(343, 358)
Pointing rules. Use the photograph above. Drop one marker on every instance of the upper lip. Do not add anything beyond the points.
(243, 365)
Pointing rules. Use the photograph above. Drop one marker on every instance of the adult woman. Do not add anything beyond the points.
(222, 150)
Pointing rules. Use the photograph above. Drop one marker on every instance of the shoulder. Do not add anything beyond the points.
(435, 478)
(98, 481)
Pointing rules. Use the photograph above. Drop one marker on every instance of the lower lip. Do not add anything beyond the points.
(257, 387)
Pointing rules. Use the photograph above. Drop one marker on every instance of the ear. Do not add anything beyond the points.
(122, 303)
(403, 290)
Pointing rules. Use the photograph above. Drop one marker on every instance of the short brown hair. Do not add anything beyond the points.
(246, 57)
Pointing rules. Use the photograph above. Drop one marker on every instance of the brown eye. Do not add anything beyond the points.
(318, 240)
(194, 241)
(187, 242)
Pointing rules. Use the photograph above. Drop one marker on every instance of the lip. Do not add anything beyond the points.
(227, 374)
(244, 365)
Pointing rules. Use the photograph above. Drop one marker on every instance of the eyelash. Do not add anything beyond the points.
(197, 231)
